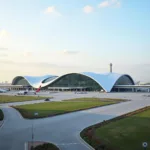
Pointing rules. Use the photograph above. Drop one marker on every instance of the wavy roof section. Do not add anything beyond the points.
(106, 81)
(34, 81)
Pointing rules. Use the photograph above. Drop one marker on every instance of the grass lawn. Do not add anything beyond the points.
(8, 99)
(127, 133)
(1, 115)
(85, 99)
(55, 108)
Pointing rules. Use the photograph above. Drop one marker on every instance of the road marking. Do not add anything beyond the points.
(2, 123)
(68, 144)
(4, 120)
(26, 146)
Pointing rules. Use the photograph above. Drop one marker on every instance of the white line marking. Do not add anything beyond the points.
(26, 146)
(68, 144)
(2, 124)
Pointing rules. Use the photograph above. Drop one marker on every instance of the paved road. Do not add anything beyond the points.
(63, 130)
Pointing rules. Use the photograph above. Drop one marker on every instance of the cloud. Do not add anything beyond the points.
(4, 39)
(109, 3)
(104, 4)
(52, 10)
(27, 54)
(3, 34)
(37, 64)
(3, 52)
(40, 64)
(88, 9)
(3, 49)
(70, 52)
(7, 62)
(28, 64)
(3, 55)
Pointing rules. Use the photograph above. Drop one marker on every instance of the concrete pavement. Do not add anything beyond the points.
(64, 130)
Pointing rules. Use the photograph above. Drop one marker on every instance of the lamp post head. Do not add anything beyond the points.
(144, 144)
(36, 114)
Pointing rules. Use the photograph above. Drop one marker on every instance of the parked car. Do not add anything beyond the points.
(47, 99)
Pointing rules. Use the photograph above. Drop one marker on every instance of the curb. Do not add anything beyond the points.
(1, 123)
(85, 143)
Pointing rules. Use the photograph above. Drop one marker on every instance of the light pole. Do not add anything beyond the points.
(35, 114)
(144, 144)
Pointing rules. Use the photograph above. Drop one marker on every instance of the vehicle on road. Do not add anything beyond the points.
(83, 92)
(47, 99)
(4, 90)
(29, 92)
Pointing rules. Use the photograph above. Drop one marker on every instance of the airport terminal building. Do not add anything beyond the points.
(86, 81)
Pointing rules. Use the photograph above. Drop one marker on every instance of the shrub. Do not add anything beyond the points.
(46, 146)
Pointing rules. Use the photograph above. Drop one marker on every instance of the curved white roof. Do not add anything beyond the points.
(34, 81)
(106, 81)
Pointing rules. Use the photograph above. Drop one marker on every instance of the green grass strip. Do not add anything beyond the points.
(55, 108)
(8, 99)
(46, 146)
(125, 134)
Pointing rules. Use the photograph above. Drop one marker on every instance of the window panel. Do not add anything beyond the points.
(76, 80)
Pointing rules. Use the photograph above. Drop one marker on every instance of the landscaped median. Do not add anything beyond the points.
(126, 132)
(9, 99)
(1, 115)
(37, 145)
(56, 108)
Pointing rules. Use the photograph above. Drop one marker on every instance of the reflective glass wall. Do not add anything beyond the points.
(76, 80)
(21, 81)
(124, 80)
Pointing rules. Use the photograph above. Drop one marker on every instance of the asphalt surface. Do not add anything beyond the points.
(63, 130)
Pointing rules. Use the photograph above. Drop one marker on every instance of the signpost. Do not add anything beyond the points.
(35, 114)
(144, 144)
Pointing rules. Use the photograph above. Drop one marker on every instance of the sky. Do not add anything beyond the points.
(61, 36)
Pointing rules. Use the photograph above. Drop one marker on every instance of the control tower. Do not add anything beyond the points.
(110, 67)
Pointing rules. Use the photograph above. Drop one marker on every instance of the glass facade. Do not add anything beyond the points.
(124, 80)
(49, 79)
(21, 81)
(72, 81)
(76, 80)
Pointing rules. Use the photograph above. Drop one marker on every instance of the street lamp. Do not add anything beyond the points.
(144, 144)
(35, 114)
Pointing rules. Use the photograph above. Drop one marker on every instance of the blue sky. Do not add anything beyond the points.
(58, 36)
